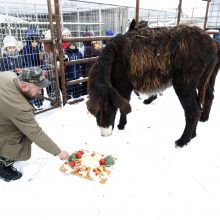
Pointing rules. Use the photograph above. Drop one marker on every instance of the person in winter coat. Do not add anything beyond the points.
(65, 34)
(18, 128)
(11, 60)
(32, 55)
(89, 51)
(109, 33)
(73, 71)
(32, 51)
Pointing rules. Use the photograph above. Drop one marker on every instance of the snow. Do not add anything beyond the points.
(151, 178)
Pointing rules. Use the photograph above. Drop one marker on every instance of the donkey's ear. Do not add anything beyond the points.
(93, 105)
(119, 101)
(132, 25)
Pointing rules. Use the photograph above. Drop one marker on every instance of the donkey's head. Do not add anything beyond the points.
(104, 107)
(104, 99)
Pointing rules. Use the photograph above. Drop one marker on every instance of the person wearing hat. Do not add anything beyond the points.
(73, 71)
(11, 59)
(32, 52)
(108, 33)
(65, 34)
(18, 127)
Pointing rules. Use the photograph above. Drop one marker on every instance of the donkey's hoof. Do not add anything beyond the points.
(180, 143)
(150, 99)
(194, 134)
(204, 118)
(121, 127)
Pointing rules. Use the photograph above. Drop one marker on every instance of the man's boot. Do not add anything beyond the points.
(7, 171)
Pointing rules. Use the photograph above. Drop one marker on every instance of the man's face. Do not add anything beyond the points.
(30, 90)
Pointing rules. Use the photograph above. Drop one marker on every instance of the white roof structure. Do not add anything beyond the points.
(214, 15)
(40, 6)
(11, 19)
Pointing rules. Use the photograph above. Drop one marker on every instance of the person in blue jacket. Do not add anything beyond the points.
(11, 60)
(32, 55)
(31, 52)
(73, 71)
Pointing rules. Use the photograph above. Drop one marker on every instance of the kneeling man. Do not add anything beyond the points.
(18, 127)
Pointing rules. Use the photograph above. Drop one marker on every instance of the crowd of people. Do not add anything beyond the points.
(75, 71)
(32, 54)
(16, 59)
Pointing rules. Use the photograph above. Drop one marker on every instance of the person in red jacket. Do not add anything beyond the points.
(65, 34)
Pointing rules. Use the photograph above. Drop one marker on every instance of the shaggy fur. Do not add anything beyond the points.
(136, 26)
(149, 60)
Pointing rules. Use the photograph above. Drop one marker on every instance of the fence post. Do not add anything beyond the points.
(60, 49)
(206, 14)
(137, 11)
(54, 50)
(179, 12)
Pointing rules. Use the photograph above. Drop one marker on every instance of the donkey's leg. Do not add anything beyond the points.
(207, 105)
(189, 101)
(211, 72)
(126, 93)
(122, 121)
(150, 99)
(209, 96)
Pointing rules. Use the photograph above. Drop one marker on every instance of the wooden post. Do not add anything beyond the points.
(54, 50)
(179, 12)
(206, 14)
(60, 49)
(137, 11)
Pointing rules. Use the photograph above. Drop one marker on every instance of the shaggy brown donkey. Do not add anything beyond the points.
(149, 60)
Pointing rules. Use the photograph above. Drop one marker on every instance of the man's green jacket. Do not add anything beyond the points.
(18, 127)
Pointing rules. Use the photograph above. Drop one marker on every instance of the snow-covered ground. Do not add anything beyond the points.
(151, 180)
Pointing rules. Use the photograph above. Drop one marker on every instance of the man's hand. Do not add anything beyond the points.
(63, 155)
(18, 70)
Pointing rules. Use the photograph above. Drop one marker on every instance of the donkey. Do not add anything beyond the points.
(149, 60)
